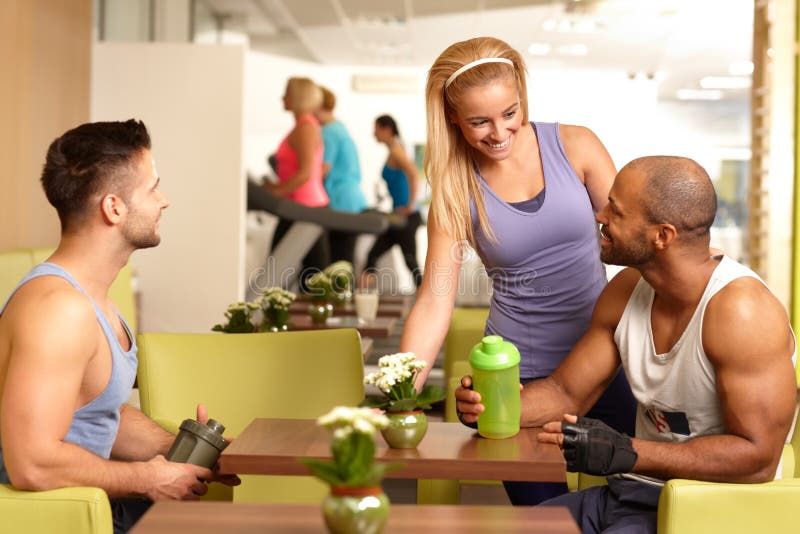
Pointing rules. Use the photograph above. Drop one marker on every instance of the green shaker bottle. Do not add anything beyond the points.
(495, 375)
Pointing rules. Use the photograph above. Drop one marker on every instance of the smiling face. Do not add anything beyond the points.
(623, 234)
(489, 117)
(145, 202)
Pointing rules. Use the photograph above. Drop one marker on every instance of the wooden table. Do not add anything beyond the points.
(448, 451)
(379, 327)
(366, 347)
(176, 517)
(385, 309)
(403, 300)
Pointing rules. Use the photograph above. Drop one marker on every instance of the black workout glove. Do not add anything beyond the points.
(591, 446)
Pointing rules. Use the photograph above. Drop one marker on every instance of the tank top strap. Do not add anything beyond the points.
(555, 165)
(51, 269)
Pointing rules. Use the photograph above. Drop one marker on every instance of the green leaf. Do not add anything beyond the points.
(374, 401)
(325, 471)
(430, 394)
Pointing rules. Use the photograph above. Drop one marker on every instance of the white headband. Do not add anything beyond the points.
(475, 64)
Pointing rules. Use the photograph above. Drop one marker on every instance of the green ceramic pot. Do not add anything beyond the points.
(355, 510)
(320, 312)
(275, 320)
(406, 429)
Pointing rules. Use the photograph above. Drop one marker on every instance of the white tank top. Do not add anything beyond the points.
(676, 391)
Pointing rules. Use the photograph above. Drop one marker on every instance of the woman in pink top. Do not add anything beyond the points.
(299, 167)
(299, 156)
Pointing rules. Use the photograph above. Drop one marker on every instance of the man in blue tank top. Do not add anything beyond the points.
(67, 358)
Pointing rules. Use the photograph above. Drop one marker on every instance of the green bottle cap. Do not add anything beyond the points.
(493, 354)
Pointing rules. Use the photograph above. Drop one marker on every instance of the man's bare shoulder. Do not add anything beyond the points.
(745, 316)
(746, 299)
(47, 304)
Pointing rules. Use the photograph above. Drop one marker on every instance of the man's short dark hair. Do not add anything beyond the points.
(89, 159)
(678, 191)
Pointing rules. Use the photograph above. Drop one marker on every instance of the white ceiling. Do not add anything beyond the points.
(676, 41)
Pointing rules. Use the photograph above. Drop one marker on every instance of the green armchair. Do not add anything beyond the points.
(692, 506)
(65, 510)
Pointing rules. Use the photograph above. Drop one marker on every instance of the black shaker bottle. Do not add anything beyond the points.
(198, 444)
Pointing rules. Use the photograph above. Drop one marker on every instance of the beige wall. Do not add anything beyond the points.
(190, 98)
(45, 58)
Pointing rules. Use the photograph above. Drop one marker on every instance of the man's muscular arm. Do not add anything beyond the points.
(52, 339)
(139, 437)
(747, 338)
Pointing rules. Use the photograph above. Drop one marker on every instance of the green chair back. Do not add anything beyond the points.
(240, 377)
(14, 264)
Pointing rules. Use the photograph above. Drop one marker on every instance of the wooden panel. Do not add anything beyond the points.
(45, 54)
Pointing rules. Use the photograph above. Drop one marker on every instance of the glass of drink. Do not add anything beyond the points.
(366, 302)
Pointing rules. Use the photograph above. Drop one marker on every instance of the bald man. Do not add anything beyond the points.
(707, 349)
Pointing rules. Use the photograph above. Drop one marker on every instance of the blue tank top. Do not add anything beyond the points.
(397, 183)
(94, 426)
(343, 181)
(545, 266)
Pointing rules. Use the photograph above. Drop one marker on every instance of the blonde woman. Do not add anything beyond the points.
(299, 156)
(299, 166)
(524, 196)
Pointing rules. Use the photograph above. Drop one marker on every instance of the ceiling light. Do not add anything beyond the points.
(539, 49)
(573, 50)
(725, 82)
(740, 68)
(698, 94)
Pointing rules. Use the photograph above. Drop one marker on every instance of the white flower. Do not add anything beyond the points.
(394, 369)
(240, 306)
(344, 420)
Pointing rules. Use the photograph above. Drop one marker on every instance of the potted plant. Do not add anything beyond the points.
(404, 405)
(239, 319)
(356, 503)
(320, 291)
(274, 304)
(342, 277)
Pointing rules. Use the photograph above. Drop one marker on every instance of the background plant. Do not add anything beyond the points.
(319, 287)
(395, 378)
(239, 319)
(342, 277)
(274, 305)
(352, 447)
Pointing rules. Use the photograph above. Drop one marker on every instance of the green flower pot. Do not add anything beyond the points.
(355, 510)
(406, 429)
(320, 312)
(275, 320)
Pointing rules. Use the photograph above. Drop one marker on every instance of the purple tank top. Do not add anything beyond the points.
(545, 266)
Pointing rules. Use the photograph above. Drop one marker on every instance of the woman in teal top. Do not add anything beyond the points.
(342, 174)
(401, 178)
